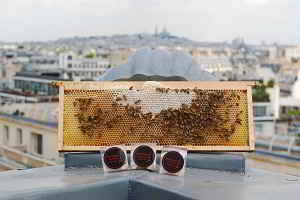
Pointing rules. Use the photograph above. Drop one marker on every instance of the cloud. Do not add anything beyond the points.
(214, 20)
(257, 2)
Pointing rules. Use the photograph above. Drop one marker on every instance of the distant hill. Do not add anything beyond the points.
(137, 40)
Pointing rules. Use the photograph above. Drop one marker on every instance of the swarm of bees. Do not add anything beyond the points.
(210, 112)
(92, 121)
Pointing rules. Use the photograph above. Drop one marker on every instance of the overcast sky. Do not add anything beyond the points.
(202, 20)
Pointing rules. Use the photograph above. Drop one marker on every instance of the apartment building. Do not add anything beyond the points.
(30, 128)
(79, 68)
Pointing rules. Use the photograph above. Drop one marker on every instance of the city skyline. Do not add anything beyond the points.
(255, 20)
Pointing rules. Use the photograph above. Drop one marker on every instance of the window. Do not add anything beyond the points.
(69, 65)
(259, 128)
(37, 143)
(259, 111)
(70, 57)
(283, 110)
(6, 135)
(3, 73)
(19, 136)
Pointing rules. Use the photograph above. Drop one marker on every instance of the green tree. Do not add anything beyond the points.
(260, 94)
(90, 55)
(271, 83)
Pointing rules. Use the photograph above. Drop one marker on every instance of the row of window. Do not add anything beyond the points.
(87, 66)
(259, 111)
(88, 74)
(36, 139)
(217, 66)
(36, 87)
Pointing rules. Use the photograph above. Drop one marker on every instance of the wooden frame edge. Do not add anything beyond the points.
(205, 84)
(190, 148)
(245, 85)
(60, 142)
(250, 120)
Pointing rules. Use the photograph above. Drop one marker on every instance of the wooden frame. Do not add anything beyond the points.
(201, 85)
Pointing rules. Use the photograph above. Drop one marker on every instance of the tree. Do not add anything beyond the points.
(271, 83)
(260, 94)
(90, 55)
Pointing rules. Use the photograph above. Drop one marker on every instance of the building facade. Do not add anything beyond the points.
(214, 64)
(37, 83)
(7, 72)
(30, 132)
(83, 68)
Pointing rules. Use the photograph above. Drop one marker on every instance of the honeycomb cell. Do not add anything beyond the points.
(120, 115)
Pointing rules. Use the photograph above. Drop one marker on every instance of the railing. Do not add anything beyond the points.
(288, 141)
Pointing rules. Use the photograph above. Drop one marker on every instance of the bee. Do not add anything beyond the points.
(186, 91)
(238, 121)
(137, 102)
(131, 129)
(124, 97)
(195, 89)
(131, 87)
(127, 107)
(161, 90)
(109, 125)
(118, 99)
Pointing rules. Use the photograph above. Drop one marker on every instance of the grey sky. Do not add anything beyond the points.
(202, 20)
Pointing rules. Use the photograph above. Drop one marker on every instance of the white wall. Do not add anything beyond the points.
(274, 99)
(266, 128)
(292, 52)
(49, 137)
(296, 87)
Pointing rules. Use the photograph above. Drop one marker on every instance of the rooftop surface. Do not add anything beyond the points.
(40, 112)
(40, 75)
(92, 183)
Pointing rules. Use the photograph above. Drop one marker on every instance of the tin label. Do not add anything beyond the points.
(143, 156)
(172, 162)
(114, 158)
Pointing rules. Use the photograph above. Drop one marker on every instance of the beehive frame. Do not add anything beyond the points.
(72, 138)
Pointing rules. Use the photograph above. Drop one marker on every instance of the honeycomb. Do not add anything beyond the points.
(166, 113)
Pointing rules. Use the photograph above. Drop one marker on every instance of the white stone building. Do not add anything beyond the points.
(214, 64)
(79, 68)
(31, 128)
(265, 114)
(7, 72)
(292, 52)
